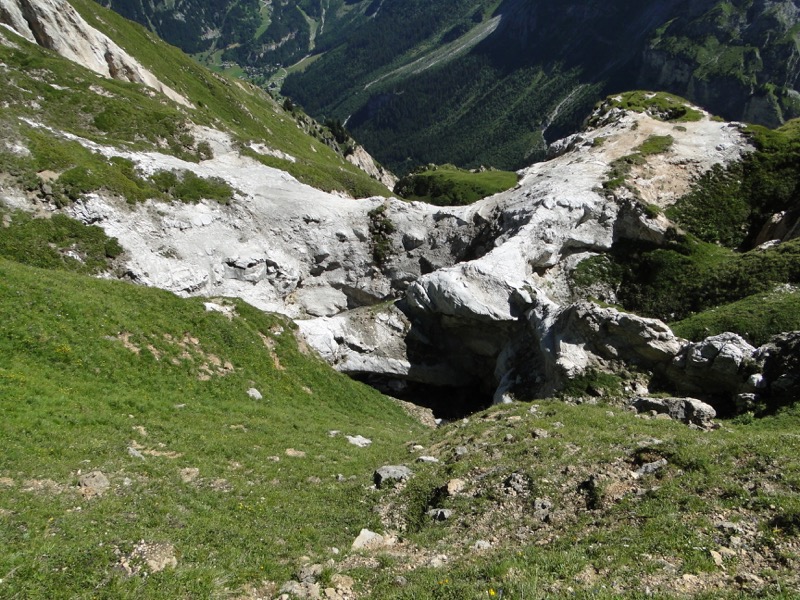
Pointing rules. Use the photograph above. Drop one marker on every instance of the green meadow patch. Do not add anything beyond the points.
(152, 391)
(447, 185)
(660, 105)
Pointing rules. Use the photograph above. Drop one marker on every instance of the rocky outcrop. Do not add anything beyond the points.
(475, 298)
(779, 366)
(686, 410)
(57, 26)
(722, 363)
(364, 161)
(584, 336)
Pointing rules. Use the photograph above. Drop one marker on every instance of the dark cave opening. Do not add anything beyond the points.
(448, 403)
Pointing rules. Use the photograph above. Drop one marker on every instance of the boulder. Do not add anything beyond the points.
(94, 484)
(391, 474)
(685, 410)
(369, 540)
(358, 440)
(719, 366)
(440, 514)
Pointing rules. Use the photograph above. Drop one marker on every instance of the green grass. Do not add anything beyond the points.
(659, 105)
(56, 243)
(86, 364)
(655, 144)
(756, 318)
(447, 185)
(80, 171)
(691, 276)
(41, 86)
(628, 535)
(90, 368)
(621, 167)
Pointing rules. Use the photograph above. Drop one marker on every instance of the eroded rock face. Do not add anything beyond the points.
(476, 298)
(722, 362)
(364, 161)
(57, 26)
(779, 361)
(584, 336)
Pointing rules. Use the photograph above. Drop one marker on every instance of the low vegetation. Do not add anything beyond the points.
(756, 318)
(691, 277)
(448, 185)
(659, 105)
(151, 390)
(42, 87)
(205, 490)
(76, 171)
(56, 243)
(730, 205)
(381, 228)
(544, 503)
(621, 167)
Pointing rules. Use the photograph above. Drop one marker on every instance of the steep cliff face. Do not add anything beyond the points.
(738, 59)
(57, 26)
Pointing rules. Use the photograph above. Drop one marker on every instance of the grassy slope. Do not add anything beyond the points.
(72, 395)
(130, 117)
(611, 539)
(449, 186)
(75, 398)
(756, 318)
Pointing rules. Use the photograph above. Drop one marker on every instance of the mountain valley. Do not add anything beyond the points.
(584, 384)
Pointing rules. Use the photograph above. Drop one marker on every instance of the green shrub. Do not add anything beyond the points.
(691, 276)
(593, 383)
(655, 144)
(380, 228)
(54, 243)
(715, 210)
(192, 189)
(620, 169)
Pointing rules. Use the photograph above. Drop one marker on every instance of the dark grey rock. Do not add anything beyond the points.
(516, 483)
(440, 514)
(391, 473)
(652, 467)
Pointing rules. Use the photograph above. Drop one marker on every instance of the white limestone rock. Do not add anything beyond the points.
(718, 363)
(476, 297)
(56, 25)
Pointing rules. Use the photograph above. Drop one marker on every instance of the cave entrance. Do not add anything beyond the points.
(448, 403)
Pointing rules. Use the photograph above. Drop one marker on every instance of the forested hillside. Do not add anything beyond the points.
(247, 37)
(487, 82)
